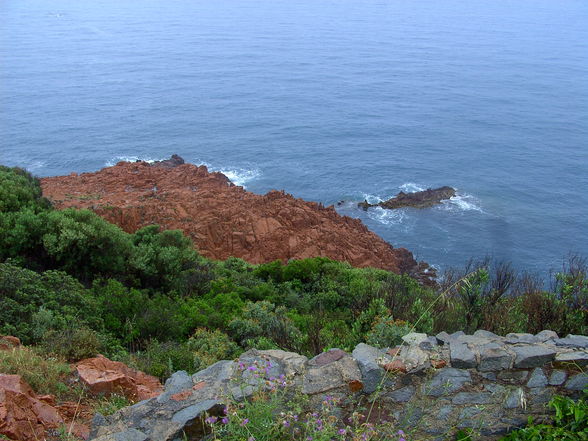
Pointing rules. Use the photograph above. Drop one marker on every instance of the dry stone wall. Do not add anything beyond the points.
(429, 386)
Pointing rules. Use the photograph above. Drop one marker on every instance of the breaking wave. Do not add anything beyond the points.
(238, 176)
(462, 202)
(113, 161)
(386, 217)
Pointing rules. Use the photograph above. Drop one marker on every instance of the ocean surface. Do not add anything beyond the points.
(328, 99)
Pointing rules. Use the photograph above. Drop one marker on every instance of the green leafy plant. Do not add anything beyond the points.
(570, 423)
(108, 406)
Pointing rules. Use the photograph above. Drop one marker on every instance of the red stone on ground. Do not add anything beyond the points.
(395, 366)
(106, 377)
(23, 415)
(8, 342)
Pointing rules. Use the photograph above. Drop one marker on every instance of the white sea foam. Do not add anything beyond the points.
(411, 187)
(237, 175)
(371, 199)
(113, 161)
(462, 202)
(36, 165)
(374, 199)
(385, 216)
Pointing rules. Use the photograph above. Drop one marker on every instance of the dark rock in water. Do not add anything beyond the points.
(172, 162)
(419, 199)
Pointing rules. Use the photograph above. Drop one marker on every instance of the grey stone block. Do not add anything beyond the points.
(577, 382)
(371, 374)
(546, 335)
(402, 395)
(530, 356)
(461, 356)
(429, 344)
(445, 338)
(486, 334)
(515, 399)
(411, 417)
(445, 412)
(494, 357)
(472, 398)
(574, 341)
(540, 396)
(191, 412)
(469, 412)
(577, 358)
(447, 381)
(514, 377)
(491, 376)
(514, 338)
(557, 378)
(537, 379)
(495, 389)
(127, 435)
(178, 382)
(414, 338)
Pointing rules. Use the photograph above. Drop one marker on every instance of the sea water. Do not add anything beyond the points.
(330, 100)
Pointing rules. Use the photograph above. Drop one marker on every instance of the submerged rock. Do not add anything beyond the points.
(420, 199)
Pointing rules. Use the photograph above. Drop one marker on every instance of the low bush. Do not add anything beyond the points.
(161, 359)
(72, 344)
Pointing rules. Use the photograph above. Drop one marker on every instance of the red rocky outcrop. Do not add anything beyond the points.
(104, 377)
(23, 415)
(222, 219)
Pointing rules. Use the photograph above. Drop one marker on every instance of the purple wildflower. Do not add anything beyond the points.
(244, 422)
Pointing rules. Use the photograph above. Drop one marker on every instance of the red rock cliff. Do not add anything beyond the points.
(223, 219)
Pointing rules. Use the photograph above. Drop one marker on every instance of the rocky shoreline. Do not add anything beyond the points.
(225, 220)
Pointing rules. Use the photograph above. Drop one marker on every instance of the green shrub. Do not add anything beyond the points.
(214, 310)
(264, 319)
(72, 344)
(163, 317)
(159, 258)
(20, 190)
(163, 359)
(209, 347)
(32, 303)
(387, 332)
(85, 245)
(120, 308)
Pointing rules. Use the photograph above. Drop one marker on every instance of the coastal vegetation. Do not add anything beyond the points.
(72, 285)
(76, 285)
